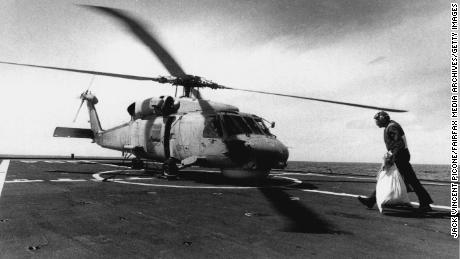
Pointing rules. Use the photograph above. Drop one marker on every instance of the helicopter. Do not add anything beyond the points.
(187, 130)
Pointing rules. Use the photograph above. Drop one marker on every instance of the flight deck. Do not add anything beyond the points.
(83, 209)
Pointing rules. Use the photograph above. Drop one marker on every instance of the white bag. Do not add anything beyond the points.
(390, 188)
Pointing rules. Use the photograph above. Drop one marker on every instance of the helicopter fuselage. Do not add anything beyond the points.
(217, 135)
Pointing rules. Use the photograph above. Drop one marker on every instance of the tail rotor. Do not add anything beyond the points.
(78, 111)
(82, 97)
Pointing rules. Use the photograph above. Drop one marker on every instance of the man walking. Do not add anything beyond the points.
(396, 144)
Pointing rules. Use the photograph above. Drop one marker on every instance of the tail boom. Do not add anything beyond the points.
(91, 101)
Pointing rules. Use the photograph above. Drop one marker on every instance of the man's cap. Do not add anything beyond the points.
(381, 115)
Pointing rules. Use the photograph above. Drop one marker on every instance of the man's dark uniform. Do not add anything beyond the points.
(395, 141)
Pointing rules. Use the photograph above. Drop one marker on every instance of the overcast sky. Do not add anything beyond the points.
(384, 53)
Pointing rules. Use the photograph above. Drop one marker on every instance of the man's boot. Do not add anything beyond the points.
(369, 202)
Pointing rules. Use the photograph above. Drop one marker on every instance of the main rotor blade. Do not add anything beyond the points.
(156, 79)
(316, 99)
(143, 35)
(196, 93)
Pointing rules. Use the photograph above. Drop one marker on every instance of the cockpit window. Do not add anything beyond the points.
(261, 124)
(253, 125)
(235, 124)
(212, 128)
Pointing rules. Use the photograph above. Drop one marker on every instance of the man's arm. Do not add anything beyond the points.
(396, 140)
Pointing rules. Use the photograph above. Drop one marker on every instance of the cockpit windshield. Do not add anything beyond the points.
(256, 129)
(262, 126)
(236, 124)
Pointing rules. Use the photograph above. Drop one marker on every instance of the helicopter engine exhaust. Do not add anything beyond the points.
(162, 106)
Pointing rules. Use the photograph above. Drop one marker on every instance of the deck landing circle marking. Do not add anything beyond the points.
(98, 177)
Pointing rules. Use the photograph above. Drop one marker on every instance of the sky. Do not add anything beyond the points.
(384, 53)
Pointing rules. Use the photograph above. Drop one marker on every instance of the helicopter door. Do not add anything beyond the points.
(155, 143)
(189, 135)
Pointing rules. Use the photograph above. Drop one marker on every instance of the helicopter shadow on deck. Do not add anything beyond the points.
(298, 217)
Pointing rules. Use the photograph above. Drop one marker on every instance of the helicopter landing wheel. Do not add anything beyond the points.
(137, 164)
(170, 169)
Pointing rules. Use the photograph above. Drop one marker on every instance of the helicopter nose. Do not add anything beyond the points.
(268, 152)
(257, 152)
